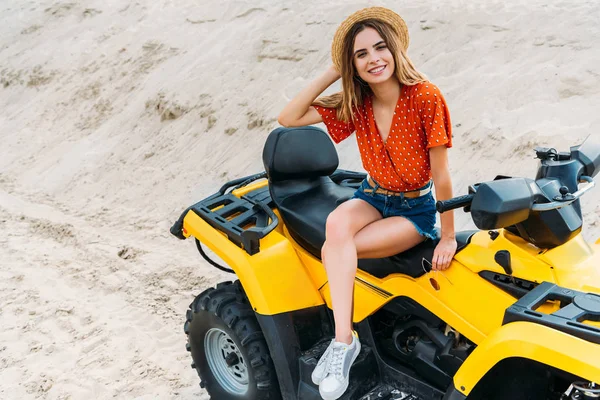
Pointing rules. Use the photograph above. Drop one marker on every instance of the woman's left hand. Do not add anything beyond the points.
(443, 254)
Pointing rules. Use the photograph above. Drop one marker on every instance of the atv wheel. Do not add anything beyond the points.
(228, 348)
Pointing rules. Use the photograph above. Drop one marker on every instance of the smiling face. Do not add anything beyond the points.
(372, 58)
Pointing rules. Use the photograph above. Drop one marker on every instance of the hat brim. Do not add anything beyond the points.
(378, 13)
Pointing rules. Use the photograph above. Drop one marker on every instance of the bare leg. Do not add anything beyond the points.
(340, 259)
(386, 237)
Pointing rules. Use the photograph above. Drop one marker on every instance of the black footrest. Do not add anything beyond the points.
(387, 392)
(576, 307)
(363, 374)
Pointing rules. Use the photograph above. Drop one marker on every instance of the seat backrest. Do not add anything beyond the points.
(299, 153)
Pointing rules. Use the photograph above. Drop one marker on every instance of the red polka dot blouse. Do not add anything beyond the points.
(401, 163)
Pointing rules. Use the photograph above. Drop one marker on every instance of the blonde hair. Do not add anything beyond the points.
(354, 89)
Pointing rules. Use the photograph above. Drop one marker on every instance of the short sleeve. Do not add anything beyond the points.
(338, 130)
(434, 115)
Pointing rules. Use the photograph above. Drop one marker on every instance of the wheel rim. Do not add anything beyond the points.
(225, 361)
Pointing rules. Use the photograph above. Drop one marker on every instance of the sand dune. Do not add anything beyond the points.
(116, 116)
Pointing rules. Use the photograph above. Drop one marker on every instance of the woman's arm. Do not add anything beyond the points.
(446, 248)
(299, 112)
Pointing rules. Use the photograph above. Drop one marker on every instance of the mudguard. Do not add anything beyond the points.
(531, 341)
(274, 279)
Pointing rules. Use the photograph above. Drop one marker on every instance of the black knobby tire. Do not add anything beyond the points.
(223, 314)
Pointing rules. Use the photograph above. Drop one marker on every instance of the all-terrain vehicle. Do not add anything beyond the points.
(516, 316)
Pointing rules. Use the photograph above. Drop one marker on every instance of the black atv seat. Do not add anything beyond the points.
(299, 162)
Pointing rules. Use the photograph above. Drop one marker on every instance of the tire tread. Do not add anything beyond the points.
(228, 302)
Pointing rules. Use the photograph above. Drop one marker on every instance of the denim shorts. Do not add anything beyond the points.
(420, 211)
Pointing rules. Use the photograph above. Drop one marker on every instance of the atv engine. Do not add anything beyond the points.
(421, 341)
(433, 353)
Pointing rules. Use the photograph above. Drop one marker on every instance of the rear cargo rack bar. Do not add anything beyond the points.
(244, 220)
(240, 182)
(248, 213)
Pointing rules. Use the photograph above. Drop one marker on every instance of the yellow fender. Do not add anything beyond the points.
(275, 280)
(534, 342)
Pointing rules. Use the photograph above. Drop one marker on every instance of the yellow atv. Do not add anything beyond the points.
(516, 316)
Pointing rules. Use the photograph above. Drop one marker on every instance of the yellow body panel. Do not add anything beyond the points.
(314, 267)
(369, 296)
(576, 265)
(479, 256)
(534, 342)
(464, 300)
(272, 287)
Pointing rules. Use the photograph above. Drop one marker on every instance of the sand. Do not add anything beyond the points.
(116, 116)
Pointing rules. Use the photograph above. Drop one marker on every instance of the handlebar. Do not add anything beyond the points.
(568, 200)
(464, 201)
(455, 202)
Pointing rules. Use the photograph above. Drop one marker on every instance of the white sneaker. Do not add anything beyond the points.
(338, 369)
(320, 371)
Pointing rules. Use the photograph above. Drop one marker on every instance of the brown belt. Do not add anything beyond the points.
(410, 195)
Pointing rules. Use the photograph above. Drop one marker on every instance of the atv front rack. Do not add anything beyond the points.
(575, 308)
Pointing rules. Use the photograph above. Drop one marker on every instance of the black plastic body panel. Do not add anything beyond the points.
(576, 307)
(552, 228)
(501, 203)
(514, 286)
(588, 154)
(507, 201)
(288, 335)
(453, 394)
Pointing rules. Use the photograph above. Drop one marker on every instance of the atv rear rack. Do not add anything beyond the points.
(251, 211)
(575, 307)
(247, 219)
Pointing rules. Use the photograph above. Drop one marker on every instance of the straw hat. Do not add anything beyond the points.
(378, 13)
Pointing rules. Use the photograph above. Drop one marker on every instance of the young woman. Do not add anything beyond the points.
(403, 130)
